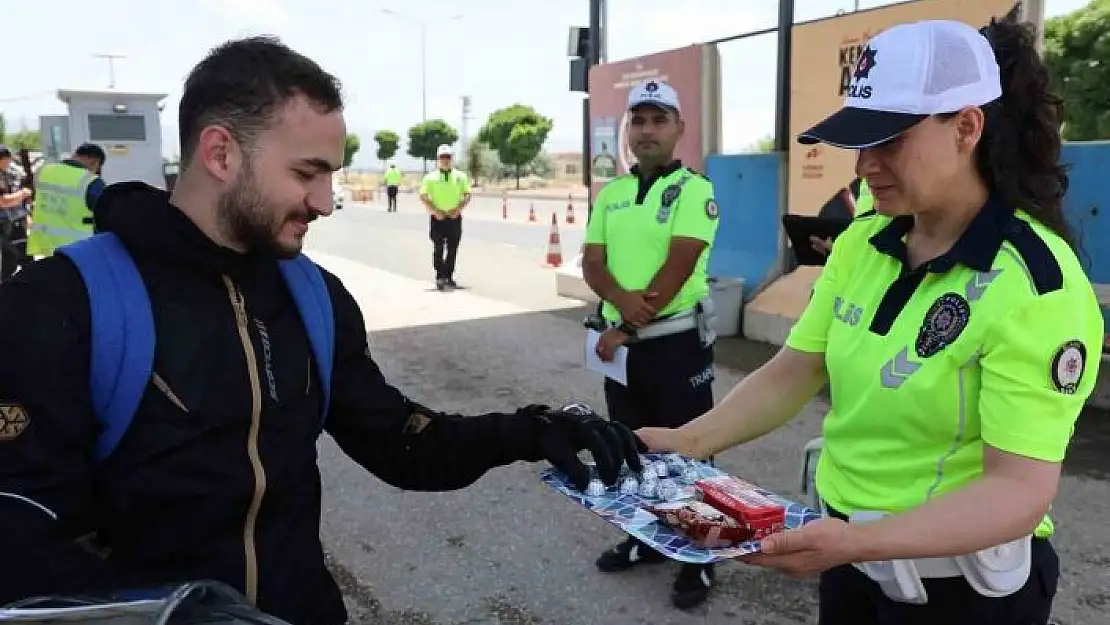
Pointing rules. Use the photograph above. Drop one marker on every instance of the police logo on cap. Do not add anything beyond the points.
(1068, 365)
(651, 87)
(943, 324)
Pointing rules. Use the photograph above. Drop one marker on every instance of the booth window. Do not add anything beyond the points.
(117, 128)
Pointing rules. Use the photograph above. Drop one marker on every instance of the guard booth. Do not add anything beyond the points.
(128, 126)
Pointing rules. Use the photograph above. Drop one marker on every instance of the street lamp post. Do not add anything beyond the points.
(422, 24)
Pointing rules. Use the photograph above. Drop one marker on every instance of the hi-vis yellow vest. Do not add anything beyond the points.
(865, 201)
(59, 214)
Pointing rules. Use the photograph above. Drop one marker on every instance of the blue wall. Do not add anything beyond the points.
(747, 191)
(1087, 205)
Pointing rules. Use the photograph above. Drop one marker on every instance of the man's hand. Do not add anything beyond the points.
(635, 307)
(438, 215)
(25, 193)
(454, 213)
(607, 345)
(821, 246)
(574, 427)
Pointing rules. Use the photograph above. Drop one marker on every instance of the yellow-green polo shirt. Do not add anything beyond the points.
(997, 342)
(445, 189)
(393, 177)
(636, 221)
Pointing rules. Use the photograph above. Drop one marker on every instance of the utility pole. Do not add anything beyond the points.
(111, 66)
(464, 137)
(422, 24)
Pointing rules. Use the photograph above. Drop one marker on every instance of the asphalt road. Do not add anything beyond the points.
(507, 550)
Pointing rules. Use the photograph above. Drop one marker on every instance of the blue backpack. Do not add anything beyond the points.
(123, 337)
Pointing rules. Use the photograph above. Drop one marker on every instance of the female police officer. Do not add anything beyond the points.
(958, 334)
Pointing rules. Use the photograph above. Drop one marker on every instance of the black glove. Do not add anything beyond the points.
(567, 430)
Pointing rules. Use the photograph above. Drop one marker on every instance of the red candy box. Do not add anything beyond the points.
(759, 515)
(704, 525)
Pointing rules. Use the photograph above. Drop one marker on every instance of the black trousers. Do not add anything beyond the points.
(13, 247)
(445, 235)
(848, 597)
(670, 382)
(391, 197)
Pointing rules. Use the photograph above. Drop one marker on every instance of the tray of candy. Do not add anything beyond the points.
(623, 505)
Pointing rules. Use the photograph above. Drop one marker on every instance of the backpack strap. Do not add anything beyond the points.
(121, 331)
(310, 293)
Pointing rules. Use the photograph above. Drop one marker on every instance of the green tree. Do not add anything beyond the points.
(388, 142)
(29, 139)
(764, 144)
(518, 133)
(3, 127)
(350, 147)
(1077, 52)
(426, 137)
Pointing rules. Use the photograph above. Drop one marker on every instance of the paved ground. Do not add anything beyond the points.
(508, 551)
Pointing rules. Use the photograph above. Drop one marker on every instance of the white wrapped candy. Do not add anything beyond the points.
(675, 464)
(660, 468)
(690, 474)
(648, 474)
(668, 490)
(649, 488)
(595, 488)
(629, 486)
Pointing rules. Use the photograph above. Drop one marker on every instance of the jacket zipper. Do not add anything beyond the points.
(251, 520)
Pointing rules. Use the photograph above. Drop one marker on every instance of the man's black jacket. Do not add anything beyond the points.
(217, 476)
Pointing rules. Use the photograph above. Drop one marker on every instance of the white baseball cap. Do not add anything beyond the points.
(444, 150)
(907, 73)
(654, 93)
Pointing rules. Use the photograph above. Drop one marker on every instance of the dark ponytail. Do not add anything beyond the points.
(1019, 153)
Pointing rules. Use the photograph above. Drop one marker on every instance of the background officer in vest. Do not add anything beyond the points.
(445, 192)
(647, 246)
(13, 236)
(393, 177)
(64, 204)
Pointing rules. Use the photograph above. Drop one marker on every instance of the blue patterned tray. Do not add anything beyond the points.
(627, 513)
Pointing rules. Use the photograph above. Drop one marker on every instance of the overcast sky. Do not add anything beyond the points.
(496, 51)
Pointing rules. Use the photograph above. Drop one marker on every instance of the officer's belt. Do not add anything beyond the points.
(673, 324)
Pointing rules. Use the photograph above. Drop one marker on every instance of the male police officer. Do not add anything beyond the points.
(647, 247)
(445, 192)
(393, 178)
(64, 204)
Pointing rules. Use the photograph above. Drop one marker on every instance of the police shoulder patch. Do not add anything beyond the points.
(711, 209)
(1068, 365)
(13, 421)
(944, 322)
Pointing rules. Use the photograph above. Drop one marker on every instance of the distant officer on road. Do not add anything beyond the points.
(66, 197)
(393, 177)
(647, 247)
(445, 192)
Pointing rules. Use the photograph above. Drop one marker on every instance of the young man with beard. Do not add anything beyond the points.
(647, 249)
(215, 474)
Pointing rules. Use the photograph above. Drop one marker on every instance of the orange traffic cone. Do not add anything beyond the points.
(554, 248)
(570, 209)
(532, 212)
(504, 205)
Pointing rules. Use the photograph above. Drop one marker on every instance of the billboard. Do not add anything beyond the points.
(824, 54)
(693, 71)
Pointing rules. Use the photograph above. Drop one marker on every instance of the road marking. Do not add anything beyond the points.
(390, 301)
